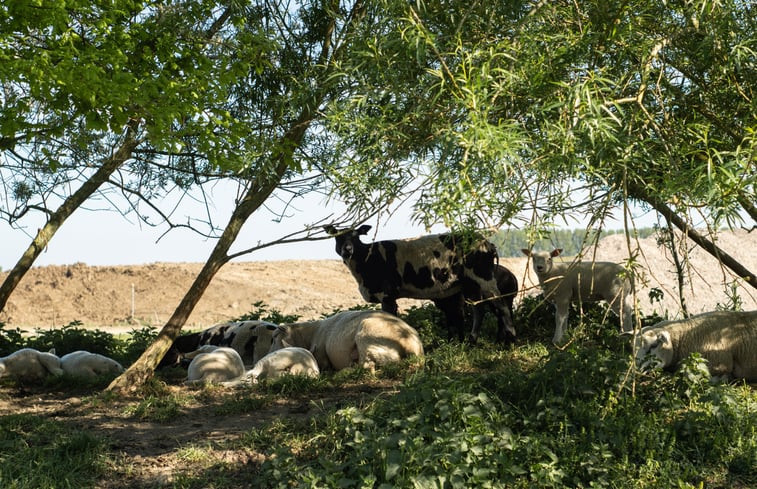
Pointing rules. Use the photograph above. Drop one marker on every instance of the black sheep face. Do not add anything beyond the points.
(347, 240)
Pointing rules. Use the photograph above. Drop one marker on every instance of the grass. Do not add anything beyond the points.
(528, 416)
(41, 453)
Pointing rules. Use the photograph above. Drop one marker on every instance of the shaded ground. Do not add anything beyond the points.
(154, 453)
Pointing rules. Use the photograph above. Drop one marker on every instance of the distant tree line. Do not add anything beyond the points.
(510, 241)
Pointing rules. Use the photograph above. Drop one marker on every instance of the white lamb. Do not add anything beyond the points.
(726, 339)
(30, 365)
(587, 281)
(364, 338)
(89, 365)
(214, 364)
(292, 361)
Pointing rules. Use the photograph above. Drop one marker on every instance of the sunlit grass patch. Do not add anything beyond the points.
(242, 401)
(160, 409)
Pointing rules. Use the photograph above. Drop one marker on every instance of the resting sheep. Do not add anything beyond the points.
(444, 268)
(89, 365)
(286, 361)
(364, 338)
(583, 281)
(214, 364)
(726, 339)
(237, 335)
(30, 365)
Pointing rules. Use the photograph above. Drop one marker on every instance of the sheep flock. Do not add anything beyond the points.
(451, 272)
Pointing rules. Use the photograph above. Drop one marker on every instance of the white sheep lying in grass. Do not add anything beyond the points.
(583, 281)
(292, 361)
(364, 338)
(726, 339)
(89, 365)
(30, 365)
(214, 364)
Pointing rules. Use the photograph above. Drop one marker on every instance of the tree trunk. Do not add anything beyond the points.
(141, 370)
(723, 257)
(57, 218)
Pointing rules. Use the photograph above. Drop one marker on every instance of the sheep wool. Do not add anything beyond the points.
(30, 365)
(286, 361)
(89, 365)
(726, 339)
(365, 338)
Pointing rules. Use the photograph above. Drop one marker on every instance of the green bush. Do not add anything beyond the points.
(532, 417)
(72, 337)
(136, 343)
(10, 340)
(260, 312)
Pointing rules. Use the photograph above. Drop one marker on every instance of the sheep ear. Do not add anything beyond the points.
(363, 229)
(271, 327)
(526, 252)
(555, 252)
(51, 350)
(664, 338)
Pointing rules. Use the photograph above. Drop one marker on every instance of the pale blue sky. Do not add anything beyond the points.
(101, 237)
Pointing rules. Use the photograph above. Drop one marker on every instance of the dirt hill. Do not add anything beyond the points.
(121, 297)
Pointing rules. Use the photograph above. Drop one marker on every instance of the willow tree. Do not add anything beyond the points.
(90, 88)
(514, 105)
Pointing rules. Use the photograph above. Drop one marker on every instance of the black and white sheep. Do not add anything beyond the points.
(238, 335)
(582, 281)
(726, 339)
(444, 268)
(89, 365)
(30, 365)
(286, 361)
(367, 339)
(214, 364)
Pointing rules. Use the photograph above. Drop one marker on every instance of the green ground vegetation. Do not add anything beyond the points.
(465, 416)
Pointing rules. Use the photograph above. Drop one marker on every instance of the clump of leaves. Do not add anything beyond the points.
(10, 340)
(137, 342)
(429, 321)
(260, 312)
(73, 337)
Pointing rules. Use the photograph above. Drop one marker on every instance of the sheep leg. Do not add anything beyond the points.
(561, 321)
(452, 307)
(389, 304)
(51, 363)
(478, 318)
(626, 319)
(622, 308)
(505, 329)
